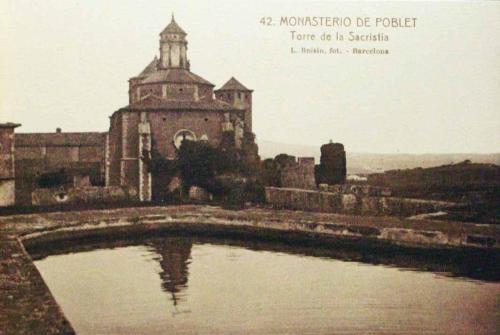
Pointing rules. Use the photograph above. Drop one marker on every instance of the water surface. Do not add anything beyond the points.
(180, 285)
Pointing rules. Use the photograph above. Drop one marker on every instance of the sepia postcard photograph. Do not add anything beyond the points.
(285, 167)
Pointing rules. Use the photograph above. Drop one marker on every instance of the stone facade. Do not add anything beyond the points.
(42, 153)
(7, 164)
(60, 149)
(168, 104)
(81, 195)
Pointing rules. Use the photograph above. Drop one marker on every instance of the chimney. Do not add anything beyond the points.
(58, 130)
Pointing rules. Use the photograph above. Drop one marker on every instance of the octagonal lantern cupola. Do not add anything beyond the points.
(173, 47)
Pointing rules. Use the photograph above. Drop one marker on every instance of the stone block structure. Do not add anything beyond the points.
(42, 153)
(332, 168)
(60, 149)
(350, 203)
(7, 164)
(81, 195)
(300, 174)
(361, 190)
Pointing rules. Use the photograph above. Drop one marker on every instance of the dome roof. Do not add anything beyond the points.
(150, 68)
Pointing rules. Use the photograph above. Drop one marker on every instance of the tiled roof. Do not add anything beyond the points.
(150, 68)
(59, 139)
(180, 76)
(153, 101)
(173, 28)
(233, 85)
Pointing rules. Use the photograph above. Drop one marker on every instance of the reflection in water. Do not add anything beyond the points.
(468, 263)
(174, 254)
(184, 285)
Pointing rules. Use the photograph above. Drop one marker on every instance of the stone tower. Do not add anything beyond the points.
(238, 96)
(7, 169)
(332, 167)
(173, 47)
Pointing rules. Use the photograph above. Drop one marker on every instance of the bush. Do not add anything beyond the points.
(235, 198)
(222, 171)
(255, 192)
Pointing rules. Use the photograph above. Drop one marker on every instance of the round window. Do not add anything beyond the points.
(183, 134)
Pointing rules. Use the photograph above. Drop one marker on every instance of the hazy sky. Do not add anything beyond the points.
(66, 64)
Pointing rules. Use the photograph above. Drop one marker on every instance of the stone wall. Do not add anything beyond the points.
(319, 201)
(45, 153)
(165, 124)
(299, 174)
(358, 189)
(7, 164)
(29, 172)
(81, 195)
(115, 150)
(61, 149)
(7, 192)
(6, 153)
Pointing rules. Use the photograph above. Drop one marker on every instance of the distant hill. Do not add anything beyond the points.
(365, 163)
(475, 185)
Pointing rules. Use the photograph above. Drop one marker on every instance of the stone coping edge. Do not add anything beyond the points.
(391, 235)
